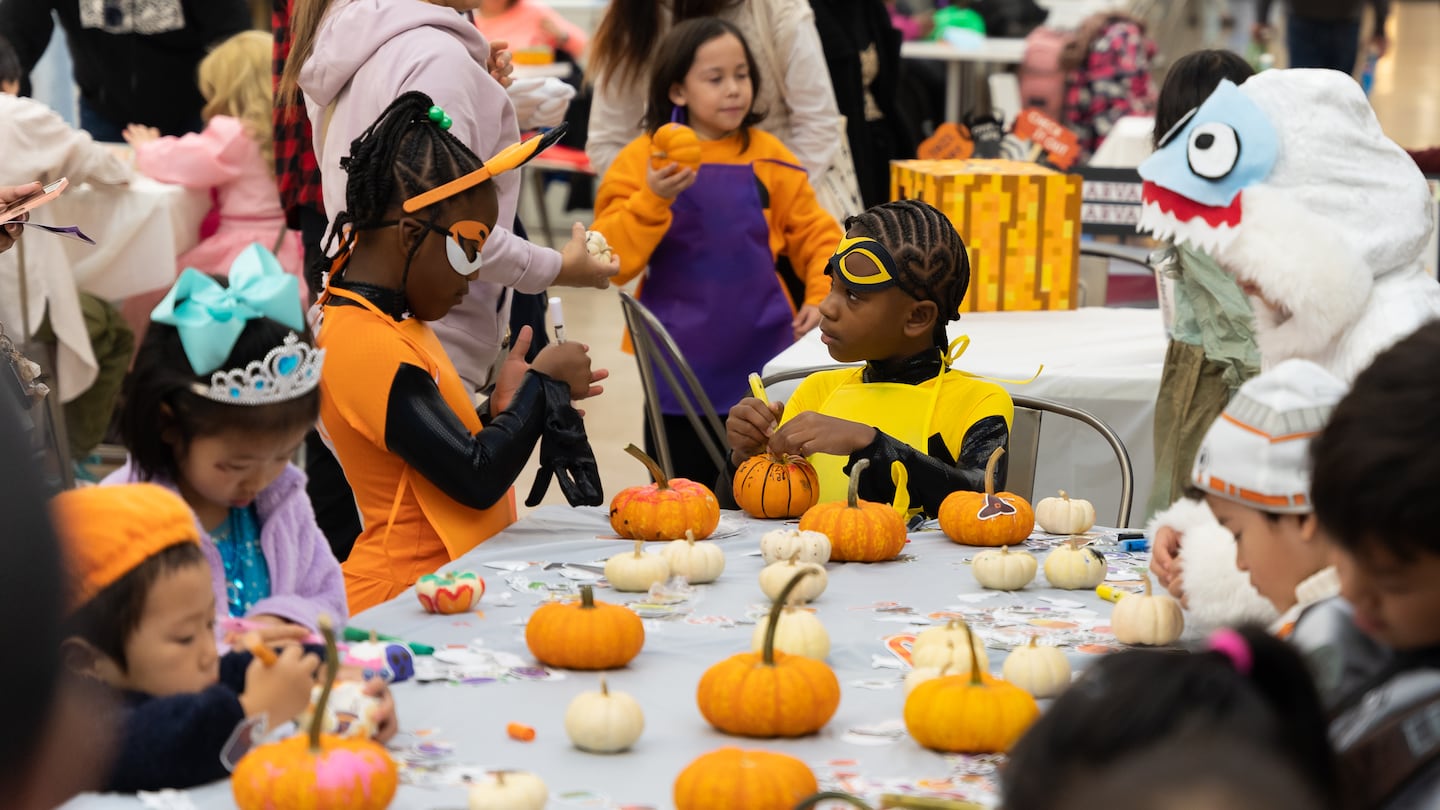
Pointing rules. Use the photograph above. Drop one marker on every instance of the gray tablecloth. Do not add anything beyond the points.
(932, 577)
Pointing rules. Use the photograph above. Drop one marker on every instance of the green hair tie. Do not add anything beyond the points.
(438, 117)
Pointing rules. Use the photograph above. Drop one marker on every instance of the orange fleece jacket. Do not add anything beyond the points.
(634, 219)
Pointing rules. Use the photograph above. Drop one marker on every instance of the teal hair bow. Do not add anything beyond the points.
(211, 317)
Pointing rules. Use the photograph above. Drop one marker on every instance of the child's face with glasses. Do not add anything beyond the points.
(448, 258)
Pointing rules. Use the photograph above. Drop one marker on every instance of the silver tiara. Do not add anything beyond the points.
(288, 371)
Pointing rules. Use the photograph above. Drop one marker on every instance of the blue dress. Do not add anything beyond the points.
(247, 576)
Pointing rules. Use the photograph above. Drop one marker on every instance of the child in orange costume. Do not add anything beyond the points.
(711, 237)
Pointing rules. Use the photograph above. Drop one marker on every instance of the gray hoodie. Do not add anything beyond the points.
(367, 53)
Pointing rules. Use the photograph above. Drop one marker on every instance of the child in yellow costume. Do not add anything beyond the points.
(897, 278)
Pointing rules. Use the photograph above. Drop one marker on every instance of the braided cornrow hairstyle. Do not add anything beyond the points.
(402, 154)
(931, 257)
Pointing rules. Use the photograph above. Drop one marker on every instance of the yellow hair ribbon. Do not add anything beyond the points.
(958, 347)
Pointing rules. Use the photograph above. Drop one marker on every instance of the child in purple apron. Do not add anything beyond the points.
(710, 237)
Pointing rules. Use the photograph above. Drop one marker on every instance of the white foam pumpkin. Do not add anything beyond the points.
(1043, 671)
(774, 578)
(1065, 515)
(919, 675)
(604, 722)
(947, 645)
(698, 562)
(1004, 570)
(509, 790)
(636, 571)
(798, 632)
(1073, 567)
(1148, 618)
(782, 544)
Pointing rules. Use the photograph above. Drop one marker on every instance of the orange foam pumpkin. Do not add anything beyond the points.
(317, 771)
(584, 635)
(675, 143)
(987, 518)
(769, 693)
(969, 714)
(859, 531)
(771, 486)
(729, 778)
(664, 510)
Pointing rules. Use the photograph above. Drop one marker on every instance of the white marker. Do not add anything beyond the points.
(557, 319)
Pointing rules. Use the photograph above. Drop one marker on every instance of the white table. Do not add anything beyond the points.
(1127, 145)
(677, 650)
(1106, 361)
(989, 51)
(139, 231)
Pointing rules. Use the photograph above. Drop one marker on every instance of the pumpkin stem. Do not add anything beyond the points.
(332, 667)
(852, 498)
(639, 547)
(1145, 576)
(831, 796)
(990, 470)
(974, 658)
(1063, 496)
(768, 651)
(587, 597)
(655, 472)
(605, 687)
(1032, 642)
(690, 537)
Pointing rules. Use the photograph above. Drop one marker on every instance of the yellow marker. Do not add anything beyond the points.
(1110, 593)
(757, 388)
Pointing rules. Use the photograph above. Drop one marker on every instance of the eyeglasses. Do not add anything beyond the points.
(876, 273)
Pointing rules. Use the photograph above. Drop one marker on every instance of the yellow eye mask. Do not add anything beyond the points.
(863, 263)
(511, 157)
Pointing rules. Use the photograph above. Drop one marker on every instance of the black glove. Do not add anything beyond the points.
(565, 452)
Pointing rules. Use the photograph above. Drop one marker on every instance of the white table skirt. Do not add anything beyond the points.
(1106, 361)
(663, 678)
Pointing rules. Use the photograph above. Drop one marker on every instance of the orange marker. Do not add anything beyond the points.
(258, 649)
(520, 731)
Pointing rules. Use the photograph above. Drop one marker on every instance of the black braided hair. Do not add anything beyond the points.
(402, 154)
(929, 253)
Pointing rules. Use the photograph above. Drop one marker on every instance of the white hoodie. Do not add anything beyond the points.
(369, 52)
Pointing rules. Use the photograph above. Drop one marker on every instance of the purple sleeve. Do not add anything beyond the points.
(313, 583)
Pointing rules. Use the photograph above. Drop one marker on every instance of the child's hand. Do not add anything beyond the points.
(570, 363)
(139, 134)
(749, 425)
(281, 690)
(501, 63)
(669, 181)
(1165, 562)
(386, 722)
(811, 432)
(806, 319)
(579, 269)
(272, 631)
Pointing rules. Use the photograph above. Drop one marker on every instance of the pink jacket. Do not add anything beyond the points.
(521, 25)
(367, 53)
(223, 157)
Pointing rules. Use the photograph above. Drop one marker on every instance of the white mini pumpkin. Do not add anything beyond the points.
(597, 246)
(1043, 671)
(782, 544)
(798, 632)
(604, 722)
(699, 563)
(1073, 567)
(1003, 570)
(919, 675)
(509, 790)
(637, 570)
(947, 646)
(1149, 618)
(1065, 515)
(774, 578)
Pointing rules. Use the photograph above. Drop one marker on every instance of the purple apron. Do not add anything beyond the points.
(712, 282)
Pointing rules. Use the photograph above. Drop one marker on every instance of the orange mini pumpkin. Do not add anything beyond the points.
(664, 510)
(729, 778)
(859, 531)
(969, 714)
(987, 518)
(317, 771)
(585, 634)
(769, 694)
(675, 143)
(771, 486)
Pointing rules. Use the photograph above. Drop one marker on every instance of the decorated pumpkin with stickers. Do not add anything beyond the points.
(987, 518)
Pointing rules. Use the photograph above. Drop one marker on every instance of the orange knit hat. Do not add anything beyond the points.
(107, 532)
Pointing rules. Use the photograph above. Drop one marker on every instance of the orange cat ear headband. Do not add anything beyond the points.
(511, 157)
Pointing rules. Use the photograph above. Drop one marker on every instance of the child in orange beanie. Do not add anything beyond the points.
(142, 620)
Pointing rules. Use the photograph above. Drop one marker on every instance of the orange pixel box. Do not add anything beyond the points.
(1020, 221)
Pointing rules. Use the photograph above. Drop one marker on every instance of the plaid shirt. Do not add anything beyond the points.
(295, 167)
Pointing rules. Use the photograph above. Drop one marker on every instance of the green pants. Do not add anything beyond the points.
(1192, 394)
(87, 417)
